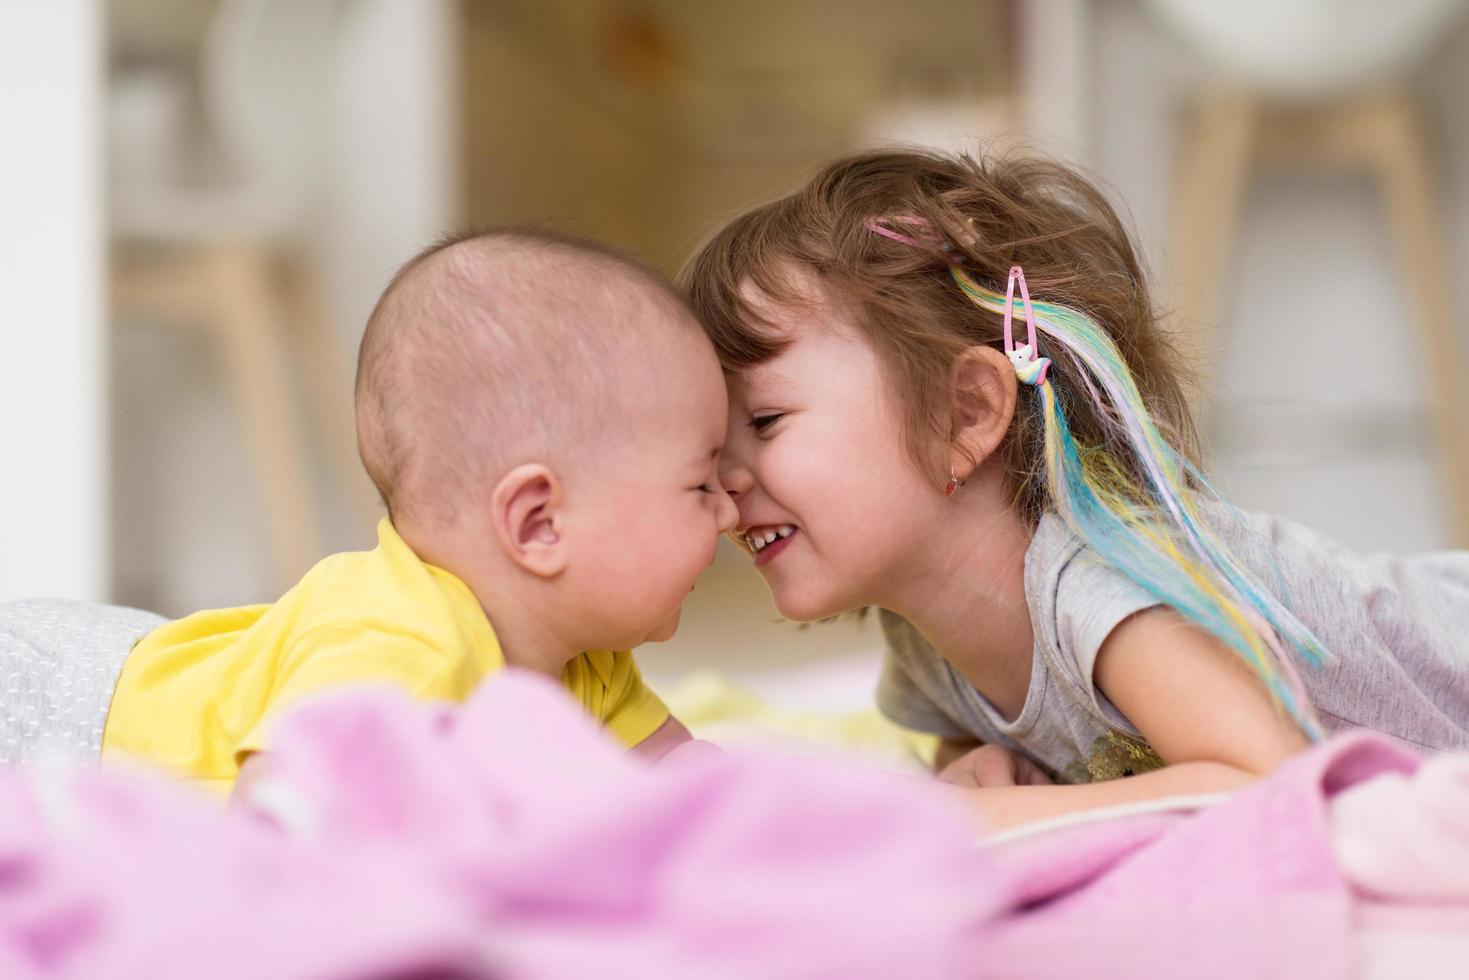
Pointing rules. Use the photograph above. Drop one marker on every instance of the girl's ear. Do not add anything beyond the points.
(983, 389)
(526, 509)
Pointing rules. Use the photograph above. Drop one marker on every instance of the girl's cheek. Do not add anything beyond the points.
(792, 474)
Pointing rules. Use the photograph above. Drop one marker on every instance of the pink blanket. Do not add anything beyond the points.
(1249, 888)
(508, 838)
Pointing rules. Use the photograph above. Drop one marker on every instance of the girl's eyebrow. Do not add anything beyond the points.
(764, 378)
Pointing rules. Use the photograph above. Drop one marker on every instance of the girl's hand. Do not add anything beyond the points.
(992, 765)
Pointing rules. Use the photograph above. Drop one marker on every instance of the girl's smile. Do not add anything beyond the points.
(766, 542)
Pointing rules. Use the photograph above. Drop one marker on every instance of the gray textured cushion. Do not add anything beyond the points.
(59, 662)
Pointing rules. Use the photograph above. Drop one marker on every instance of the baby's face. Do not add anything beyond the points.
(652, 519)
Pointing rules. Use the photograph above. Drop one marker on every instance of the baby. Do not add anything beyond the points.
(543, 417)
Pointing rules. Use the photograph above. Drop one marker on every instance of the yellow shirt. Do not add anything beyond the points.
(194, 696)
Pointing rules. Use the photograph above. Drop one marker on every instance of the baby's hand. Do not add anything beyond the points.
(992, 765)
(694, 749)
(667, 737)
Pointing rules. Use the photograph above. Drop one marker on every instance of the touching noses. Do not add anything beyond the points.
(727, 513)
(734, 476)
(736, 481)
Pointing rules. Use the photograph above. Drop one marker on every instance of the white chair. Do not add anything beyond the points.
(224, 249)
(1312, 82)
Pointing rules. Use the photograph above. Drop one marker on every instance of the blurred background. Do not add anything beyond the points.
(202, 199)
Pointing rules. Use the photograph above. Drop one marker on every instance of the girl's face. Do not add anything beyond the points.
(832, 508)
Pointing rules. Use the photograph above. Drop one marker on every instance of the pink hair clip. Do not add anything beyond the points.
(1029, 368)
(925, 234)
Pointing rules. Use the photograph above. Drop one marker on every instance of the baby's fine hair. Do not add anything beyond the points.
(493, 348)
(917, 248)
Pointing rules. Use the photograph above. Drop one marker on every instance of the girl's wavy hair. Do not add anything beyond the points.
(1107, 441)
(995, 213)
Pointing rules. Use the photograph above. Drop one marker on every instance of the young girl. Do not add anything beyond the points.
(1012, 484)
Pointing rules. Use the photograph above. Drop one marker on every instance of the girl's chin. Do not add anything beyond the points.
(805, 608)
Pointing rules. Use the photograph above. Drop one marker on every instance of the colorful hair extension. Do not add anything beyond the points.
(1153, 533)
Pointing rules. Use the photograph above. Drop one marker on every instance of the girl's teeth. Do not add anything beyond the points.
(763, 540)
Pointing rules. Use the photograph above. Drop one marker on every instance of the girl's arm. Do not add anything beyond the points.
(1191, 696)
(1200, 708)
(1002, 807)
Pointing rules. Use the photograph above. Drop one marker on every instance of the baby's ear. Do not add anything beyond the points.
(982, 402)
(526, 510)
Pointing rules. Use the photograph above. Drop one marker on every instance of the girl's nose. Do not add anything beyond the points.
(728, 514)
(735, 478)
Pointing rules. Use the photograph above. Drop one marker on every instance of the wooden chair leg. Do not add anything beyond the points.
(245, 315)
(1213, 177)
(330, 386)
(1401, 162)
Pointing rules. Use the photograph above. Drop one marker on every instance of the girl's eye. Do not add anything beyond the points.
(762, 422)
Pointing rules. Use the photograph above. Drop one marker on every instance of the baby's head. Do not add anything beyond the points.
(863, 379)
(542, 417)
